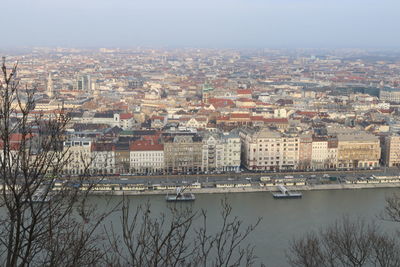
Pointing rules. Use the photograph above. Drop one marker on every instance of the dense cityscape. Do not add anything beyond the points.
(200, 133)
(192, 111)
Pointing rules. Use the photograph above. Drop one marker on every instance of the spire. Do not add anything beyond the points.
(50, 92)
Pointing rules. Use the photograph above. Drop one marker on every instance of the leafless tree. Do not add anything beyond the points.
(345, 243)
(392, 208)
(48, 222)
(178, 240)
(38, 225)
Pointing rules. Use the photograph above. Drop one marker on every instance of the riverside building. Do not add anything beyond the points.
(266, 149)
(391, 151)
(146, 157)
(221, 152)
(358, 150)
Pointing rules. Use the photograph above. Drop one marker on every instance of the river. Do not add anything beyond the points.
(282, 219)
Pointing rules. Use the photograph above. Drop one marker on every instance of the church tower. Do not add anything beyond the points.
(50, 92)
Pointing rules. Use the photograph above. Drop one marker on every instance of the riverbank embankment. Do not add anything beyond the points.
(250, 189)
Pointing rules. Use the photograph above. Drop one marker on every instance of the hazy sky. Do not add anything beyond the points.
(201, 23)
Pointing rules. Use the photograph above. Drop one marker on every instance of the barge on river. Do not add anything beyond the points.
(180, 196)
(285, 193)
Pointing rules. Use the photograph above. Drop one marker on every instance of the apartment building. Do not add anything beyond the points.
(183, 153)
(332, 152)
(221, 151)
(103, 158)
(212, 153)
(358, 150)
(266, 149)
(122, 157)
(146, 157)
(319, 152)
(305, 151)
(232, 149)
(391, 151)
(78, 156)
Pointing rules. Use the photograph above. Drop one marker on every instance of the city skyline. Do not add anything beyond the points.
(177, 23)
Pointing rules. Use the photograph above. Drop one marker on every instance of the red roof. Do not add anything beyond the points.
(388, 111)
(125, 116)
(221, 102)
(103, 147)
(240, 115)
(200, 119)
(153, 138)
(223, 118)
(257, 118)
(243, 92)
(146, 145)
(154, 117)
(15, 140)
(17, 137)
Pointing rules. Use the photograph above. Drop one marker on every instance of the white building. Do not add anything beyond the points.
(319, 153)
(125, 121)
(146, 157)
(78, 156)
(212, 153)
(266, 149)
(221, 152)
(232, 151)
(103, 158)
(196, 123)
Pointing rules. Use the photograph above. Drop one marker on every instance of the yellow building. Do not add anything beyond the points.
(391, 151)
(358, 150)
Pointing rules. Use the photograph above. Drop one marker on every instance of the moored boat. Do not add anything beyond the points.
(180, 196)
(284, 193)
(288, 195)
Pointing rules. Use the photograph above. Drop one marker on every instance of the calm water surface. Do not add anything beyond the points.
(282, 219)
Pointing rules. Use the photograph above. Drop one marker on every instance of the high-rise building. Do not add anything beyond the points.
(84, 83)
(390, 94)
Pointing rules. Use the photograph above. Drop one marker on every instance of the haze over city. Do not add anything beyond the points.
(216, 24)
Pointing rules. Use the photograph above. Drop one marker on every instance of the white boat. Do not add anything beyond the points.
(180, 196)
(40, 196)
(284, 193)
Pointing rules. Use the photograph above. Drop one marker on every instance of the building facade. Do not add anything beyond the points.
(232, 151)
(305, 152)
(319, 154)
(146, 157)
(183, 154)
(391, 151)
(221, 152)
(103, 158)
(266, 149)
(78, 156)
(359, 150)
